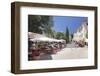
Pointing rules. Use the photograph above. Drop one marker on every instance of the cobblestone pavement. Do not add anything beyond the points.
(71, 53)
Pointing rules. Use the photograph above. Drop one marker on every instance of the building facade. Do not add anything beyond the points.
(82, 33)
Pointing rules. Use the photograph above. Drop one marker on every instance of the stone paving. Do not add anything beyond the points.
(71, 51)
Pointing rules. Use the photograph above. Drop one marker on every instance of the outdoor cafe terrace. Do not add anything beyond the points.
(41, 45)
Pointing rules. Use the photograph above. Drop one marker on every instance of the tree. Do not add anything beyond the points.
(60, 35)
(49, 32)
(67, 35)
(39, 24)
(34, 24)
(87, 35)
(71, 36)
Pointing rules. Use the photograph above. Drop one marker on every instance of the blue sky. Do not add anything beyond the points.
(60, 23)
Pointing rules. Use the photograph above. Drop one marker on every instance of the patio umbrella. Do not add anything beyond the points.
(44, 39)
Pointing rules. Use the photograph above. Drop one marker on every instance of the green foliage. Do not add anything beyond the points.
(43, 24)
(49, 32)
(67, 35)
(39, 24)
(87, 35)
(71, 36)
(60, 35)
